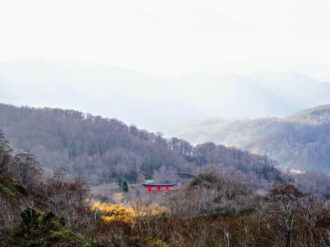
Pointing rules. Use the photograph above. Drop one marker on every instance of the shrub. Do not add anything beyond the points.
(44, 230)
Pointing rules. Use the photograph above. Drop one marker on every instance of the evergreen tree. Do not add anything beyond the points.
(125, 186)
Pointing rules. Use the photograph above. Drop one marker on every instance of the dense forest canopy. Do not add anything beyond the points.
(103, 149)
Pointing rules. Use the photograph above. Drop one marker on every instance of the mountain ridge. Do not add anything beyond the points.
(293, 140)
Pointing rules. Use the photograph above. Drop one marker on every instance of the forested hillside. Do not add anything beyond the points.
(213, 209)
(300, 141)
(103, 149)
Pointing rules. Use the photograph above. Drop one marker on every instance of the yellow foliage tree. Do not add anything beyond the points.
(113, 212)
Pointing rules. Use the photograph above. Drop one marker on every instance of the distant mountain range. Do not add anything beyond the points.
(157, 103)
(300, 141)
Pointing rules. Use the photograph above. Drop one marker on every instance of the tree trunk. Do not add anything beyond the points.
(288, 239)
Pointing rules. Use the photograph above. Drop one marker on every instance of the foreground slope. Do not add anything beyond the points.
(211, 210)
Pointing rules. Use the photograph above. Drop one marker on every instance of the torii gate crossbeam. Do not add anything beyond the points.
(158, 187)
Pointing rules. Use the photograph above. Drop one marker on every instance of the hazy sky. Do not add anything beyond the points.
(159, 64)
(172, 37)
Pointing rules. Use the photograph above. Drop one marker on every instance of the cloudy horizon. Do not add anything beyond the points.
(157, 103)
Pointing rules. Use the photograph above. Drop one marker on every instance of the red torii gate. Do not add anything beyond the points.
(158, 187)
